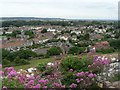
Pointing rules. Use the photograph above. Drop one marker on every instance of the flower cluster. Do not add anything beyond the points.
(85, 79)
(32, 81)
(98, 63)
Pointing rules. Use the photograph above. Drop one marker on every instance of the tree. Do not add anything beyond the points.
(19, 61)
(25, 54)
(54, 51)
(115, 44)
(44, 30)
(16, 32)
(87, 37)
(76, 50)
(30, 33)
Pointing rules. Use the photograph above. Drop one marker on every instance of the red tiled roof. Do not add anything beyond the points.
(12, 44)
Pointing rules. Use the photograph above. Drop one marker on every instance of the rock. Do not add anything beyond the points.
(116, 84)
(108, 83)
(111, 87)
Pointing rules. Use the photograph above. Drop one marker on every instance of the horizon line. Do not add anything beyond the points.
(57, 18)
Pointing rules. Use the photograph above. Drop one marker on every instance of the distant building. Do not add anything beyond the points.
(102, 45)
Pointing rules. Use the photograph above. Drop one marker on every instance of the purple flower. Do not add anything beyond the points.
(80, 74)
(13, 73)
(71, 70)
(4, 87)
(37, 86)
(78, 80)
(90, 75)
(57, 85)
(89, 66)
(31, 82)
(38, 77)
(43, 81)
(55, 75)
(44, 86)
(31, 78)
(73, 85)
(86, 73)
(81, 79)
(94, 75)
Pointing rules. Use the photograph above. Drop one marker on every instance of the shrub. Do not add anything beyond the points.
(68, 78)
(54, 51)
(44, 30)
(41, 67)
(25, 54)
(5, 62)
(76, 50)
(46, 56)
(19, 61)
(105, 51)
(74, 63)
(115, 44)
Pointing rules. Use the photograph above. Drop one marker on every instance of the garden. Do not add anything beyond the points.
(72, 71)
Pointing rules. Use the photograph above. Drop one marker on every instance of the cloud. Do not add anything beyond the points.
(101, 9)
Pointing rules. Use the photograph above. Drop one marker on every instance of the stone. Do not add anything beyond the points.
(111, 87)
(116, 84)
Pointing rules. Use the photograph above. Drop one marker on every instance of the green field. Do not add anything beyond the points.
(34, 63)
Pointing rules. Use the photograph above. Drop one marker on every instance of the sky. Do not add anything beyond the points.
(69, 9)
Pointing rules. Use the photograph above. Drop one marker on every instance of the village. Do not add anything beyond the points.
(46, 46)
(14, 38)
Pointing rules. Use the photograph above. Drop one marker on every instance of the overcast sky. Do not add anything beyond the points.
(74, 9)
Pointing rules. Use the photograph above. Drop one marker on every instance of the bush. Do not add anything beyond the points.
(54, 51)
(5, 62)
(19, 61)
(46, 56)
(115, 44)
(44, 30)
(68, 78)
(105, 51)
(76, 50)
(25, 54)
(75, 63)
(41, 67)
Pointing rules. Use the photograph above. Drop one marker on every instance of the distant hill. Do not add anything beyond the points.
(30, 18)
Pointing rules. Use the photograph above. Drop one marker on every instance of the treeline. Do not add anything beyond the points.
(19, 23)
(33, 23)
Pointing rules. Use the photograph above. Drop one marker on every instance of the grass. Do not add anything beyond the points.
(34, 63)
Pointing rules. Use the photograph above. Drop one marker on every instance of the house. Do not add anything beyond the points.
(76, 32)
(102, 45)
(51, 30)
(8, 32)
(63, 38)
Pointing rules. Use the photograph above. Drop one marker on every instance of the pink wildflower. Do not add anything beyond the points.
(73, 85)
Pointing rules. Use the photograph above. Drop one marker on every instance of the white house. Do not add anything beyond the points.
(51, 30)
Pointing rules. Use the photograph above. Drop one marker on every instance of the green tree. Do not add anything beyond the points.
(44, 30)
(76, 50)
(16, 32)
(25, 54)
(115, 44)
(30, 33)
(54, 51)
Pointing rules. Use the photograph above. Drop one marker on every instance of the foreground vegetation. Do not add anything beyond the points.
(71, 72)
